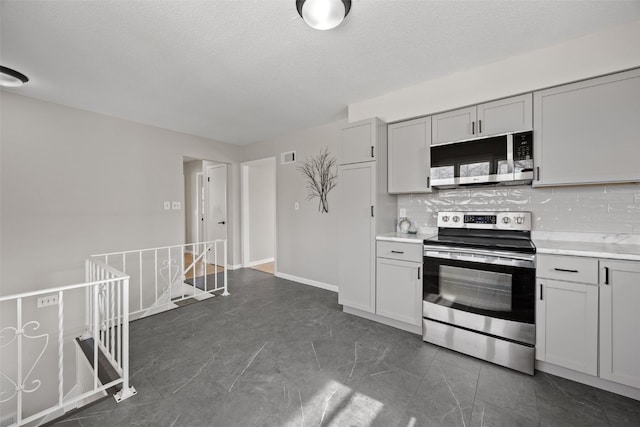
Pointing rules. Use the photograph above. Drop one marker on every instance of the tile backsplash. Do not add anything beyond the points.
(583, 209)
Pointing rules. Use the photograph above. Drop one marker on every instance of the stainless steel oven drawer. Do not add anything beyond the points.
(501, 352)
(517, 331)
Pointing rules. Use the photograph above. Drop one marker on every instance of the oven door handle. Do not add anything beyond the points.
(485, 257)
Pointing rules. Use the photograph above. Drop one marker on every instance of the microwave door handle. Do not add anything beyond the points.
(510, 163)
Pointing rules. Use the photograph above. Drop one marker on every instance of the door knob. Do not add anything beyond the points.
(222, 222)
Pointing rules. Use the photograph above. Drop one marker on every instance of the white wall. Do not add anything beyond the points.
(192, 216)
(76, 183)
(600, 53)
(307, 240)
(261, 209)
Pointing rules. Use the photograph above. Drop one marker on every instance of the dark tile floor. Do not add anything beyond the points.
(277, 353)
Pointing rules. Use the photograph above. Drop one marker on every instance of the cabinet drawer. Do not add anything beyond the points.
(568, 268)
(401, 251)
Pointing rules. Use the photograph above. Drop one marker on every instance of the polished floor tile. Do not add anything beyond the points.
(278, 353)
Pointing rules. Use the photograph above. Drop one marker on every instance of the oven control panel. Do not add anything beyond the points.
(486, 220)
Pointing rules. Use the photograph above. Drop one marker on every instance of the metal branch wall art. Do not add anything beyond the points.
(322, 176)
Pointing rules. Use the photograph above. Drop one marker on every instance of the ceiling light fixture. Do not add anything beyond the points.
(11, 78)
(323, 14)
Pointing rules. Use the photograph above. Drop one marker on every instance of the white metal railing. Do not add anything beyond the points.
(107, 307)
(160, 277)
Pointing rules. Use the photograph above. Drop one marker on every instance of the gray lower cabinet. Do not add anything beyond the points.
(587, 132)
(410, 156)
(399, 282)
(587, 316)
(620, 322)
(567, 325)
(357, 191)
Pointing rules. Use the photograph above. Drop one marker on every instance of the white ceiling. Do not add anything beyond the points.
(243, 71)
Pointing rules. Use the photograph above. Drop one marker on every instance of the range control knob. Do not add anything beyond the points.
(506, 220)
(520, 220)
(445, 218)
(456, 218)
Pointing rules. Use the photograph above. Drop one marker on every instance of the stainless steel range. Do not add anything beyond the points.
(479, 287)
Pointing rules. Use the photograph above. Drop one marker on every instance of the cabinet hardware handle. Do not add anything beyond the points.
(606, 275)
(418, 273)
(372, 151)
(479, 126)
(397, 252)
(541, 292)
(371, 211)
(565, 270)
(537, 173)
(428, 182)
(473, 128)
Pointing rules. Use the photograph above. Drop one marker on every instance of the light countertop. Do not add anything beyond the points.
(605, 248)
(619, 251)
(403, 237)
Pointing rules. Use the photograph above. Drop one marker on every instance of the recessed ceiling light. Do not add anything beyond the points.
(11, 78)
(323, 14)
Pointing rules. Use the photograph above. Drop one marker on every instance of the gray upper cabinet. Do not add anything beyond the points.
(505, 115)
(491, 118)
(359, 141)
(409, 156)
(454, 125)
(587, 132)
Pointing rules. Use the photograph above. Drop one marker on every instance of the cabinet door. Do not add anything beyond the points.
(359, 142)
(506, 115)
(409, 156)
(567, 325)
(620, 322)
(399, 290)
(587, 132)
(357, 236)
(454, 125)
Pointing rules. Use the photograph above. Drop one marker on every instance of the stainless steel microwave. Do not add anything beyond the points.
(499, 159)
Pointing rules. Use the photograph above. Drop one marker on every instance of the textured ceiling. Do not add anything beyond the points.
(243, 71)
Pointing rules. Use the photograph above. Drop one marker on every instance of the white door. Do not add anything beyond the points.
(200, 206)
(216, 194)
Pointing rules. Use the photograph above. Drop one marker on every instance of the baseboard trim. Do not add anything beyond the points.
(384, 320)
(309, 282)
(260, 261)
(234, 266)
(580, 377)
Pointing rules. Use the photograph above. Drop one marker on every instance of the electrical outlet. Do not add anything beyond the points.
(176, 205)
(403, 212)
(48, 300)
(167, 206)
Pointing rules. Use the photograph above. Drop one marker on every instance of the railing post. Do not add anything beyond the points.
(127, 391)
(19, 331)
(226, 290)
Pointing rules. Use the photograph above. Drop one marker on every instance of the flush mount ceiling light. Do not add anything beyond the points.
(11, 78)
(323, 14)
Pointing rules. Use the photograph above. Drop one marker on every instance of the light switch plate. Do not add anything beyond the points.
(176, 205)
(296, 206)
(167, 206)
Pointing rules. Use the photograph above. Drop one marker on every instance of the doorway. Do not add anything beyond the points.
(259, 215)
(205, 209)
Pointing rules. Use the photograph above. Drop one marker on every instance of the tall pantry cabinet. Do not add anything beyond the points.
(366, 209)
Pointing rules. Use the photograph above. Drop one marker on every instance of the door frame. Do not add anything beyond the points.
(245, 207)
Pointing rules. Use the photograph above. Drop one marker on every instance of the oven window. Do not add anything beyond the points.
(499, 291)
(485, 290)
